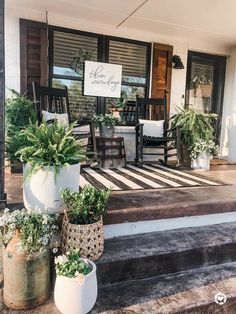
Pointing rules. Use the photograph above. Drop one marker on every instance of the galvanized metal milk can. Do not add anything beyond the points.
(26, 277)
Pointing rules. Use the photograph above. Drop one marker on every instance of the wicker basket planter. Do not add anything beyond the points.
(88, 239)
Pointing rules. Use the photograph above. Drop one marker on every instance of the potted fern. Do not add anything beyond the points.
(82, 226)
(76, 283)
(51, 158)
(195, 127)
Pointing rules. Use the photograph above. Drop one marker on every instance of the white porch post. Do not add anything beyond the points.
(2, 104)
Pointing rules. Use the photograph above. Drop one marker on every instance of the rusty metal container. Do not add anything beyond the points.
(26, 278)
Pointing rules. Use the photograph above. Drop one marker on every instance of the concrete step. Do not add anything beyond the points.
(157, 253)
(191, 291)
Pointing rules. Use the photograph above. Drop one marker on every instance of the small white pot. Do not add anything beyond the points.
(202, 162)
(42, 189)
(74, 297)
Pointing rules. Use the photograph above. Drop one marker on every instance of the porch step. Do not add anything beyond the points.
(153, 254)
(188, 292)
(147, 205)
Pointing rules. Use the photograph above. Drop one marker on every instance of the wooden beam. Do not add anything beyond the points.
(2, 105)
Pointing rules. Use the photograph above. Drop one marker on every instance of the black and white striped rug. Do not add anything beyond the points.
(147, 177)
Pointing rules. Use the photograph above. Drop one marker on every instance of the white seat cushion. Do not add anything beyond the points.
(60, 117)
(152, 127)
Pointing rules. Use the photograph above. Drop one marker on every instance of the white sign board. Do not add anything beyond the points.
(102, 79)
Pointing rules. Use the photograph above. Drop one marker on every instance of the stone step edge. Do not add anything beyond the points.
(200, 297)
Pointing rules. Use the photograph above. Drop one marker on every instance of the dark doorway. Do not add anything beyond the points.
(205, 83)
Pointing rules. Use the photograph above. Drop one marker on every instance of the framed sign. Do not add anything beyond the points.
(102, 79)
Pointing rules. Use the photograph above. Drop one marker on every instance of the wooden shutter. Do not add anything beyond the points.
(161, 73)
(33, 53)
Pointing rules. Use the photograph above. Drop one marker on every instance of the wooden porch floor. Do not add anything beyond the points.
(130, 206)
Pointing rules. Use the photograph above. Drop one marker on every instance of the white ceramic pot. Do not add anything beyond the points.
(42, 189)
(202, 162)
(74, 297)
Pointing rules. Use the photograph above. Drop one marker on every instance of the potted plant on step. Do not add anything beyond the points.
(201, 154)
(51, 158)
(20, 112)
(76, 283)
(82, 227)
(194, 126)
(26, 237)
(106, 124)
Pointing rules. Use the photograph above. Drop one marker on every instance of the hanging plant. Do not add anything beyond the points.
(79, 58)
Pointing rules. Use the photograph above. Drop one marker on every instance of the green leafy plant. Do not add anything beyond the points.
(50, 145)
(201, 146)
(35, 228)
(107, 119)
(20, 112)
(71, 265)
(87, 206)
(194, 125)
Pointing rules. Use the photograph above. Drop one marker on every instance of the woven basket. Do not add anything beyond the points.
(88, 239)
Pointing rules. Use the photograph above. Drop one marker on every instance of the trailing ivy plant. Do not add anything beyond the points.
(194, 126)
(86, 206)
(49, 146)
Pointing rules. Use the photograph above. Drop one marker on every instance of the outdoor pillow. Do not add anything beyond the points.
(60, 117)
(152, 127)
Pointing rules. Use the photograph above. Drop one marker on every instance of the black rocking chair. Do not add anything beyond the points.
(55, 100)
(169, 142)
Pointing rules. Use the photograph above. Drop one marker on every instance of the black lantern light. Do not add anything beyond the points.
(178, 64)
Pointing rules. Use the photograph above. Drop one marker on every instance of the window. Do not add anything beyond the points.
(133, 55)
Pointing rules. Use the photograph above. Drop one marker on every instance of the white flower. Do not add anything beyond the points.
(45, 220)
(62, 259)
(6, 210)
(54, 250)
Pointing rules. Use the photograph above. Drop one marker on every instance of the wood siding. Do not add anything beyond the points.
(33, 53)
(161, 74)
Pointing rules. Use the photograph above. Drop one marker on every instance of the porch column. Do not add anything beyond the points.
(2, 104)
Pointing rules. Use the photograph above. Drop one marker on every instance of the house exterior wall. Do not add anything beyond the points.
(181, 48)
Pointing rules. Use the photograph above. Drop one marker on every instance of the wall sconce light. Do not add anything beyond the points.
(178, 64)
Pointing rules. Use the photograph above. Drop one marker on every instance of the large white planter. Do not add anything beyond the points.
(74, 297)
(202, 162)
(42, 189)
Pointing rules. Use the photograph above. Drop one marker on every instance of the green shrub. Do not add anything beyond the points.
(86, 206)
(20, 112)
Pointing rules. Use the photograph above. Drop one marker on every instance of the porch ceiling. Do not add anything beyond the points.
(198, 20)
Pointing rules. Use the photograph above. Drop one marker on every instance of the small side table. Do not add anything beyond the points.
(111, 152)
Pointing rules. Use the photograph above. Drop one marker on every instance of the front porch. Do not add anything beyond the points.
(135, 212)
(191, 265)
(169, 240)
